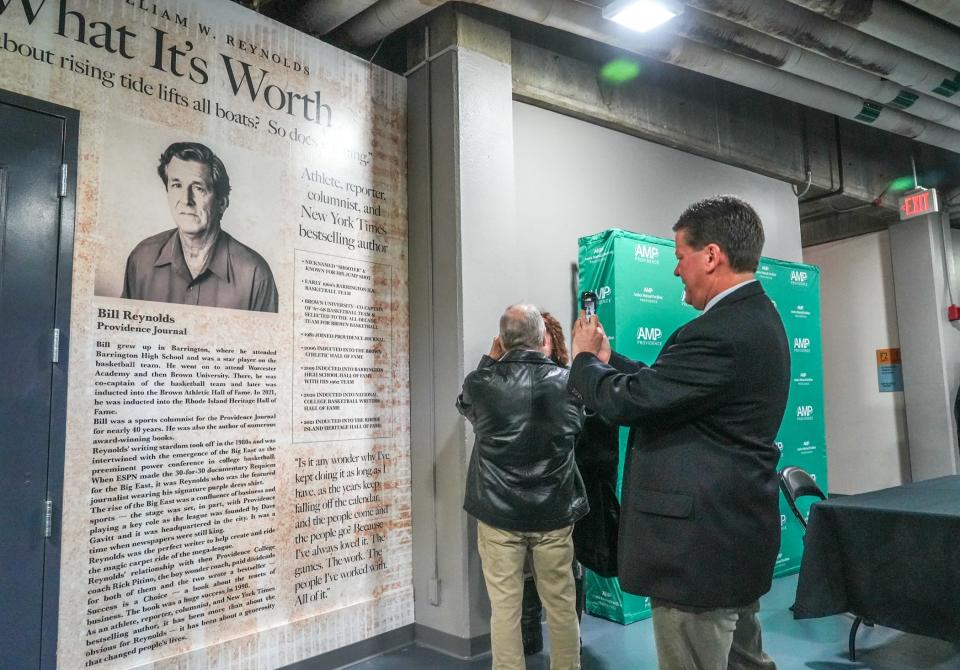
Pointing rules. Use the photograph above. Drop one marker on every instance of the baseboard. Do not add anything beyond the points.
(445, 643)
(359, 651)
(451, 645)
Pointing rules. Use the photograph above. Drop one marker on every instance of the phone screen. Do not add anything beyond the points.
(588, 300)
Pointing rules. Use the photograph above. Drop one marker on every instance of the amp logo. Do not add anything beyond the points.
(649, 335)
(801, 344)
(646, 253)
(604, 292)
(804, 411)
(799, 277)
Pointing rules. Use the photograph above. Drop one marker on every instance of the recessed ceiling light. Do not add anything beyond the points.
(642, 15)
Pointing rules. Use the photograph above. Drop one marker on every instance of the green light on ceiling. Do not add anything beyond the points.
(620, 71)
(901, 184)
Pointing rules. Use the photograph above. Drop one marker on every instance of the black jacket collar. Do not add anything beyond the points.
(525, 356)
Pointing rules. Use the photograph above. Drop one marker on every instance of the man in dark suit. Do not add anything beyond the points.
(700, 521)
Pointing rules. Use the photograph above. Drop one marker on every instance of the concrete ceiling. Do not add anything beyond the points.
(885, 63)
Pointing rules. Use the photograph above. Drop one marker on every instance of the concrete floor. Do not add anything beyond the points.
(812, 644)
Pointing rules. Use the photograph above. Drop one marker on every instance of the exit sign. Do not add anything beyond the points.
(918, 203)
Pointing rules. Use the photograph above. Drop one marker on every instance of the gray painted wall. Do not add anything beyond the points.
(574, 178)
(866, 429)
(929, 346)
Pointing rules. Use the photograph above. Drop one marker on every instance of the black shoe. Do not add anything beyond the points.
(532, 642)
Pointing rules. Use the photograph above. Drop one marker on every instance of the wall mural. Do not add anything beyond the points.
(237, 456)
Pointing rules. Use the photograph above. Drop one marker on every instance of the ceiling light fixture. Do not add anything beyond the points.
(642, 15)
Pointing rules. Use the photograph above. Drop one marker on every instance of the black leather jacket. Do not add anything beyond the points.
(523, 475)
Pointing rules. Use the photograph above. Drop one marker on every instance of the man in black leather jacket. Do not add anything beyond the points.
(523, 486)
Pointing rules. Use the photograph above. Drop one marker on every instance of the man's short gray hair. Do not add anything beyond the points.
(521, 327)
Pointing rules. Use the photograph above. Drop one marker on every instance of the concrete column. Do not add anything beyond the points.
(929, 345)
(462, 248)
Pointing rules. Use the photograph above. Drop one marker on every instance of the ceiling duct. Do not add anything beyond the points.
(319, 18)
(776, 18)
(834, 40)
(948, 10)
(585, 20)
(384, 18)
(892, 22)
(722, 34)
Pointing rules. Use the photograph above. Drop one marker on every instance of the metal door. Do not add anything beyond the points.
(36, 241)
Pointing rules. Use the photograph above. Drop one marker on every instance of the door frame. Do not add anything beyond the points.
(59, 377)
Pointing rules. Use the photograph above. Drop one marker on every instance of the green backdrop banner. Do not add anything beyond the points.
(641, 304)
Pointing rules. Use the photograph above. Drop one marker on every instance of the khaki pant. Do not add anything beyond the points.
(502, 553)
(709, 639)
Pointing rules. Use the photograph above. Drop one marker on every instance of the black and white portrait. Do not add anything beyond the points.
(187, 220)
(197, 262)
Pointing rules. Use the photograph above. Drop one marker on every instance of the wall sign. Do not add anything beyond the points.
(236, 489)
(919, 202)
(889, 370)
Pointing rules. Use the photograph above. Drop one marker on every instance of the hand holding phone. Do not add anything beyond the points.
(588, 335)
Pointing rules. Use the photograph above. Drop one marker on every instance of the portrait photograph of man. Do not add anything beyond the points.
(197, 262)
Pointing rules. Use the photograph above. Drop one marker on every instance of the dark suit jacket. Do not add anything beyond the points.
(700, 521)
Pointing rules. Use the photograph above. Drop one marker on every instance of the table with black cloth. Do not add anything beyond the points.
(890, 556)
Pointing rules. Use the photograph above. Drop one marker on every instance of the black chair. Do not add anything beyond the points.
(797, 483)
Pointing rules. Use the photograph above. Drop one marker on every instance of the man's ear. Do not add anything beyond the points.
(223, 203)
(714, 256)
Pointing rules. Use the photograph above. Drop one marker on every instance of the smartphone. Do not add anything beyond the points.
(588, 301)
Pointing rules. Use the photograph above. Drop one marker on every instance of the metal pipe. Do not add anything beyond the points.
(320, 18)
(892, 22)
(587, 21)
(722, 34)
(385, 17)
(837, 41)
(839, 190)
(948, 10)
(752, 74)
